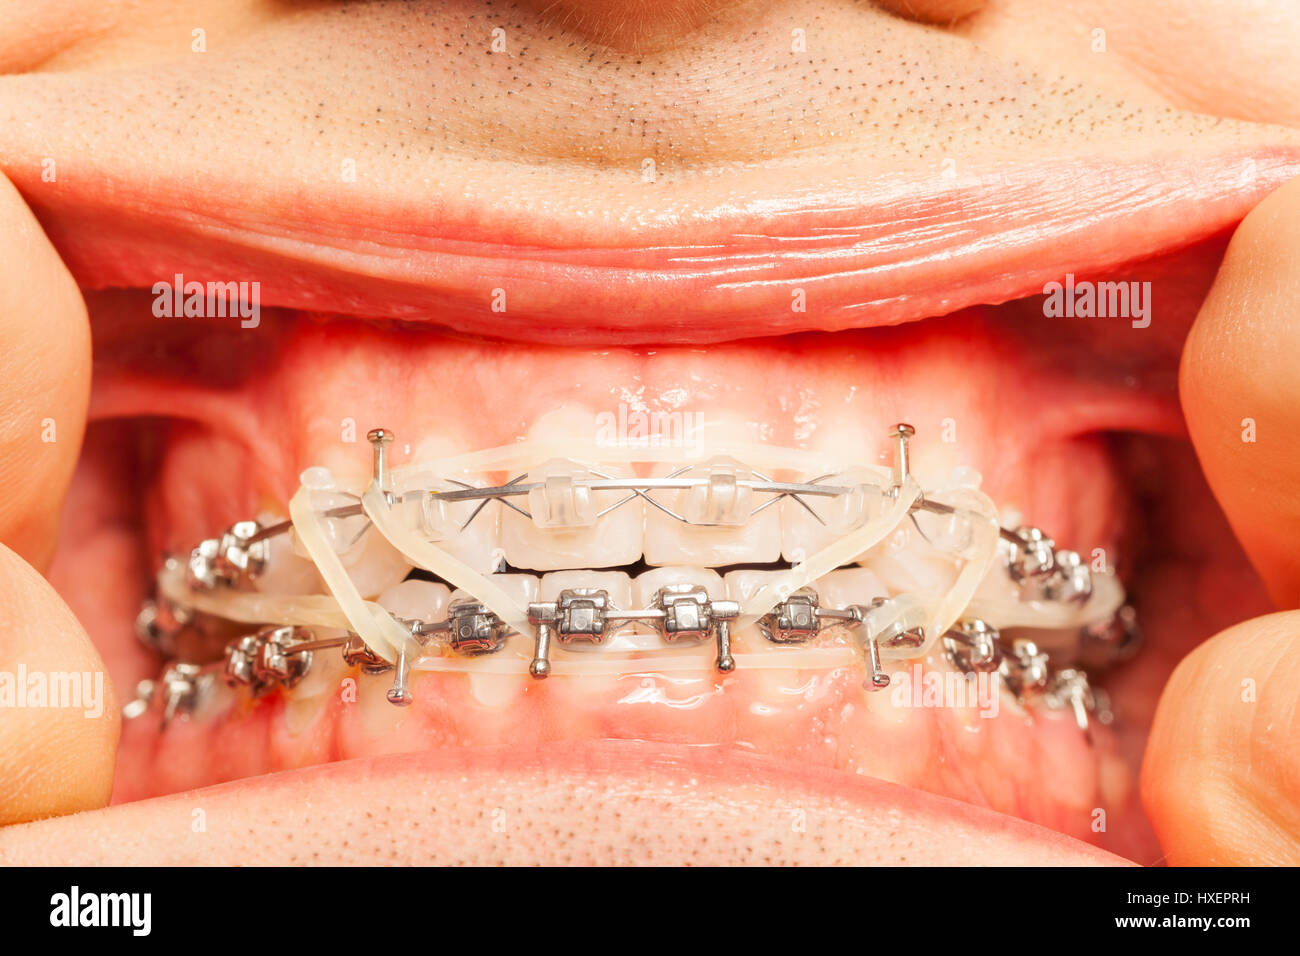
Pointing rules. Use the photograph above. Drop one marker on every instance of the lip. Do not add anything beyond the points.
(578, 804)
(863, 252)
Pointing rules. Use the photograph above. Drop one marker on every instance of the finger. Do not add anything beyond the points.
(1221, 778)
(44, 380)
(58, 715)
(1240, 385)
(58, 718)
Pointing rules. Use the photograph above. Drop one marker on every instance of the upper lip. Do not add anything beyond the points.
(823, 244)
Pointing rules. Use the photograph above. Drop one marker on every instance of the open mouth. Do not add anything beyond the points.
(640, 518)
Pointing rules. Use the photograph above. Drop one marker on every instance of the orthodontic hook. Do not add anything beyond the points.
(901, 434)
(400, 693)
(540, 666)
(877, 679)
(380, 439)
(725, 662)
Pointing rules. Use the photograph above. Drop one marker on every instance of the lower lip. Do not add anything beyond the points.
(624, 802)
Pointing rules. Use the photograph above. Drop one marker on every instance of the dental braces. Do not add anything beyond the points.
(280, 655)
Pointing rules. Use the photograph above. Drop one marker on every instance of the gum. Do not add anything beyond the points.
(1034, 763)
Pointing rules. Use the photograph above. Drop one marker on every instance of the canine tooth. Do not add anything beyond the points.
(304, 703)
(497, 691)
(372, 563)
(379, 565)
(767, 683)
(758, 538)
(522, 587)
(803, 535)
(417, 600)
(477, 542)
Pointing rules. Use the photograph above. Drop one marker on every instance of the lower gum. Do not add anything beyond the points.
(815, 718)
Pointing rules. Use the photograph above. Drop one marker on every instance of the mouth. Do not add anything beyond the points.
(589, 555)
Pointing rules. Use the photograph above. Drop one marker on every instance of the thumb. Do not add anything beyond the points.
(1240, 388)
(58, 716)
(1221, 778)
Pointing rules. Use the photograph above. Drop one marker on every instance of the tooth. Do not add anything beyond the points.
(377, 723)
(378, 565)
(849, 586)
(646, 587)
(371, 562)
(905, 562)
(478, 545)
(803, 535)
(521, 587)
(741, 586)
(735, 535)
(617, 584)
(500, 690)
(417, 600)
(497, 691)
(565, 530)
(304, 704)
(285, 572)
(765, 683)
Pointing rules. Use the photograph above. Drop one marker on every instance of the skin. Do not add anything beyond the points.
(1220, 780)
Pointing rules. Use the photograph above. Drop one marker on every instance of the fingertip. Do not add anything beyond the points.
(1240, 387)
(59, 718)
(1221, 776)
(44, 380)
